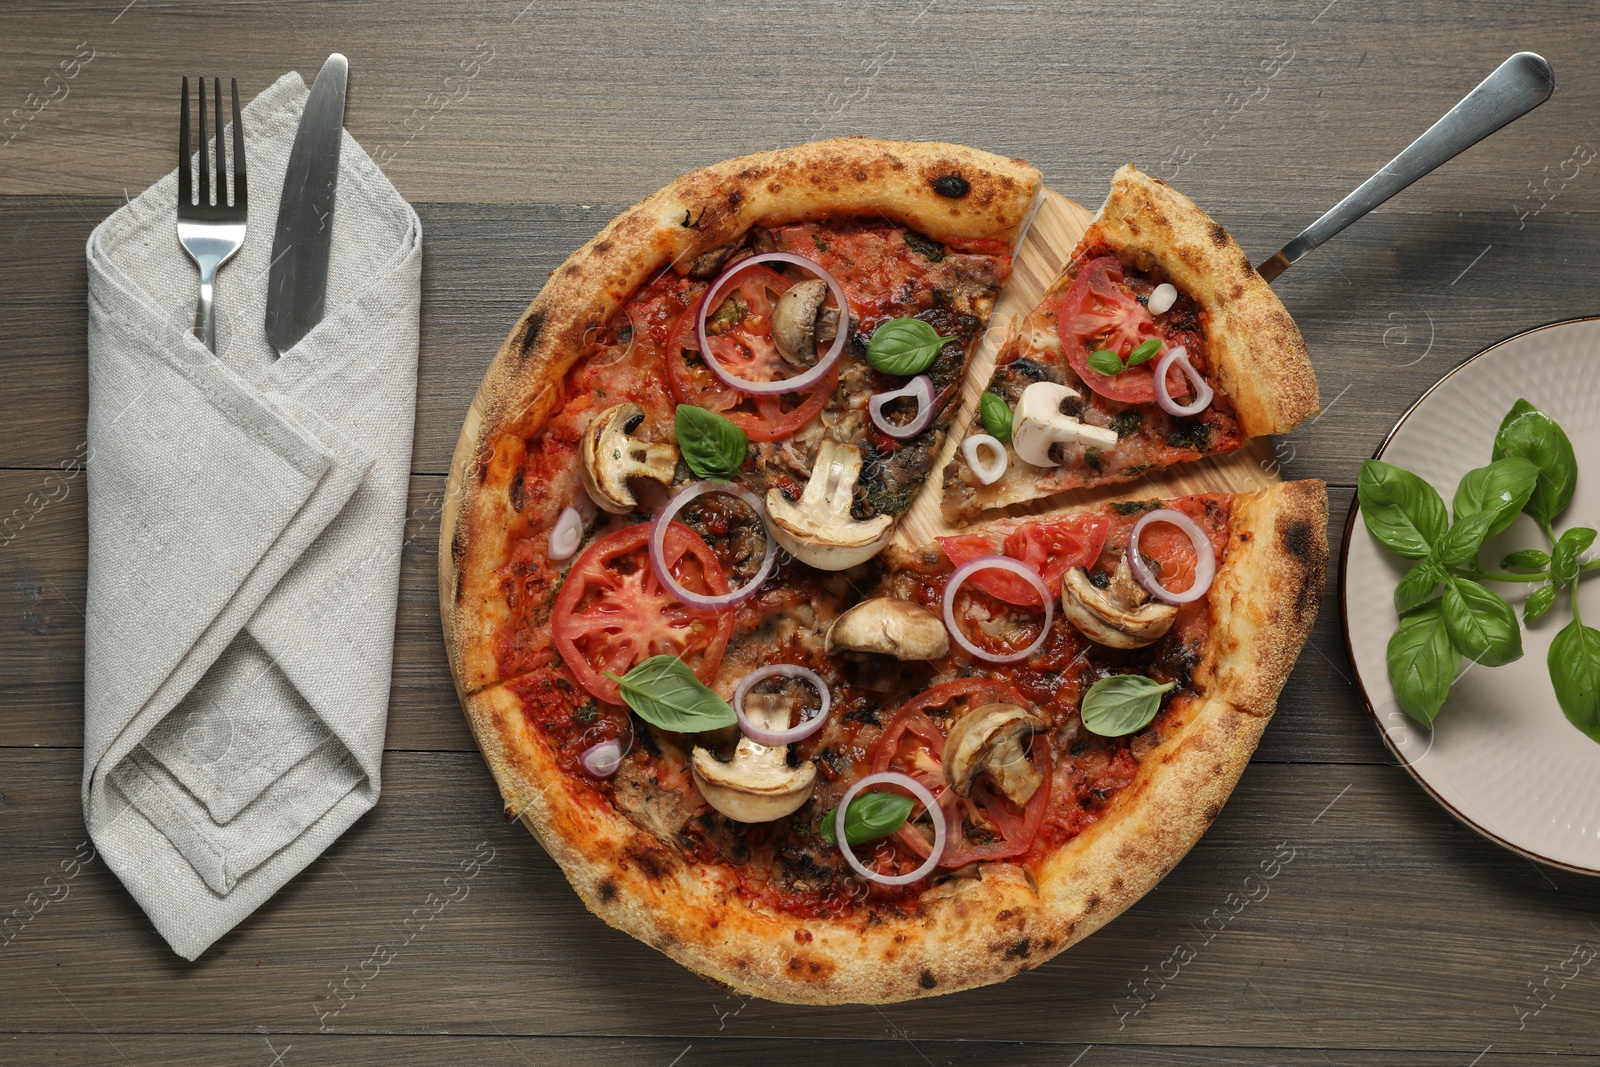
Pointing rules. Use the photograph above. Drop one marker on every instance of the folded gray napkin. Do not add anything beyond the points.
(245, 523)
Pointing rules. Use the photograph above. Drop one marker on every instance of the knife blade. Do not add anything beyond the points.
(297, 277)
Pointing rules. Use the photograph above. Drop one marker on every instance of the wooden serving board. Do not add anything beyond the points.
(1046, 248)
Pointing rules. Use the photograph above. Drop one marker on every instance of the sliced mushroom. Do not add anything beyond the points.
(1042, 422)
(1120, 616)
(990, 739)
(889, 626)
(801, 322)
(611, 457)
(819, 529)
(757, 785)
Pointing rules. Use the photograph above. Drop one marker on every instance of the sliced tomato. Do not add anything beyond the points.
(1171, 552)
(613, 613)
(746, 350)
(913, 744)
(1051, 548)
(1100, 311)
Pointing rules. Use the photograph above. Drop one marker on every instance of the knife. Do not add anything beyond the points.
(297, 279)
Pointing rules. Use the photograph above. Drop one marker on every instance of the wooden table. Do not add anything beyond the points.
(1393, 936)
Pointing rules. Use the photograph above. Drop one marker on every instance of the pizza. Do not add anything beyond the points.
(1156, 345)
(760, 731)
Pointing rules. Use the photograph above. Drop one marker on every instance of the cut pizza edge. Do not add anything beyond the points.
(1055, 424)
(946, 192)
(969, 931)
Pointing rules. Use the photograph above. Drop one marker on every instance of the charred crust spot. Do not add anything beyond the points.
(928, 981)
(735, 198)
(952, 185)
(607, 890)
(602, 246)
(653, 862)
(1244, 537)
(530, 333)
(1019, 950)
(1004, 915)
(810, 969)
(1219, 236)
(1092, 903)
(1300, 542)
(1212, 811)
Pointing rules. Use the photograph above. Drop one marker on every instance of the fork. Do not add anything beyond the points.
(210, 232)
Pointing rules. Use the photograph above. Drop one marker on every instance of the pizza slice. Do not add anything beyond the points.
(798, 321)
(946, 769)
(1157, 344)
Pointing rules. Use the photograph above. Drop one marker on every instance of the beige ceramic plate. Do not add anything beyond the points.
(1501, 757)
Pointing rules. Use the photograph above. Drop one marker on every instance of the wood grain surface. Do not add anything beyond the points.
(1393, 937)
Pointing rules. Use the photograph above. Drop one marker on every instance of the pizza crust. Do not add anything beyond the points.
(974, 931)
(948, 192)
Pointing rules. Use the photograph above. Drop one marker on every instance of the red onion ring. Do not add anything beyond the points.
(566, 535)
(916, 789)
(919, 389)
(800, 382)
(1202, 388)
(603, 759)
(999, 563)
(986, 473)
(773, 738)
(658, 540)
(1205, 566)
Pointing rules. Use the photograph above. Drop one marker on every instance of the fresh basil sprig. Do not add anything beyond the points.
(996, 414)
(711, 446)
(869, 817)
(1575, 675)
(1422, 662)
(1108, 362)
(1534, 471)
(1481, 625)
(664, 692)
(1534, 436)
(1121, 704)
(1400, 509)
(905, 347)
(1503, 487)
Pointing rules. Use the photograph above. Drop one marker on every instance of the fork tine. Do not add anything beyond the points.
(240, 197)
(205, 160)
(185, 177)
(221, 146)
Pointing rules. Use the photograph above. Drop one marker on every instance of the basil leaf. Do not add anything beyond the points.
(1422, 662)
(1144, 352)
(904, 347)
(1482, 626)
(927, 247)
(1534, 436)
(1416, 588)
(1502, 487)
(1401, 510)
(1106, 362)
(996, 415)
(1122, 704)
(711, 446)
(1564, 557)
(869, 817)
(1575, 675)
(1538, 603)
(1527, 559)
(664, 692)
(1461, 542)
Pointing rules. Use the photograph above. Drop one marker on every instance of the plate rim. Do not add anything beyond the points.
(1344, 608)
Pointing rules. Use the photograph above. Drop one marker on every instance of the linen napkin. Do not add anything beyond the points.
(246, 515)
